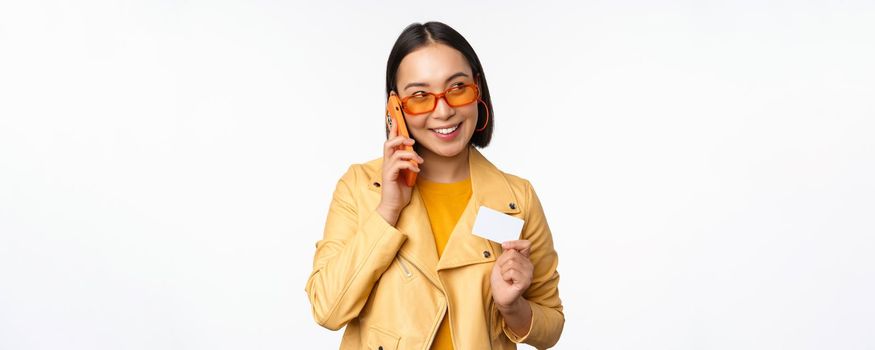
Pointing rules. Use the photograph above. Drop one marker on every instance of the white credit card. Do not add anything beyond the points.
(497, 226)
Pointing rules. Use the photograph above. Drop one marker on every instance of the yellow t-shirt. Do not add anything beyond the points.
(445, 203)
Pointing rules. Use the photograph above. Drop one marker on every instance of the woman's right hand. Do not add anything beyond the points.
(396, 194)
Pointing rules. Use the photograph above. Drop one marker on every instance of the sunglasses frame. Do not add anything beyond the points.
(438, 97)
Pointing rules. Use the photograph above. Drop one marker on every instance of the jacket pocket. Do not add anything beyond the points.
(379, 339)
(405, 267)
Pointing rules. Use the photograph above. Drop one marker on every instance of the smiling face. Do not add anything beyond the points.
(434, 68)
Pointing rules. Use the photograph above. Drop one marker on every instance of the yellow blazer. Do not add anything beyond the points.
(388, 287)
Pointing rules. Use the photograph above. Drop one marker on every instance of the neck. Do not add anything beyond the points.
(438, 168)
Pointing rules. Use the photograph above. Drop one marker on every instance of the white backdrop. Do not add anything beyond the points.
(706, 168)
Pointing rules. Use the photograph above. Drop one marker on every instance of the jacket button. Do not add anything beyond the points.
(486, 254)
(376, 184)
(512, 205)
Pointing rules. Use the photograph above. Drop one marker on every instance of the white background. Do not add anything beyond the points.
(706, 168)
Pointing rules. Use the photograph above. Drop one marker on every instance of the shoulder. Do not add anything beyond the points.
(363, 172)
(525, 193)
(518, 184)
(499, 185)
(530, 208)
(491, 171)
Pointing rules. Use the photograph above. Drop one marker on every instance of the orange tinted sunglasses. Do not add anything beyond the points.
(455, 96)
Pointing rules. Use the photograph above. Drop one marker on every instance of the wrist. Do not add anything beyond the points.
(518, 306)
(388, 214)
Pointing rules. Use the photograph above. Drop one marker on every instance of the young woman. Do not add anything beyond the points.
(398, 265)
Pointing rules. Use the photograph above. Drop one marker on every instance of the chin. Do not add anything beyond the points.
(450, 150)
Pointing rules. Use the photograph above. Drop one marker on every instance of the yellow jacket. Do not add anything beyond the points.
(387, 286)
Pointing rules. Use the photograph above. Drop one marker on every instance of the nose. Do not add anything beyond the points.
(443, 110)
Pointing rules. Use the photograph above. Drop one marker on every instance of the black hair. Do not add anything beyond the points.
(418, 35)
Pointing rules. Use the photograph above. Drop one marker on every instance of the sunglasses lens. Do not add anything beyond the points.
(419, 104)
(455, 97)
(461, 96)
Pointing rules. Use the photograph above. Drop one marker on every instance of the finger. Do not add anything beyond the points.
(518, 278)
(409, 166)
(392, 144)
(520, 244)
(514, 276)
(396, 144)
(523, 270)
(407, 155)
(520, 262)
(506, 276)
(502, 259)
(512, 254)
(396, 169)
(511, 262)
(507, 256)
(523, 246)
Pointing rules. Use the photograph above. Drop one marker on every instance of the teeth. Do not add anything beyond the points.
(447, 130)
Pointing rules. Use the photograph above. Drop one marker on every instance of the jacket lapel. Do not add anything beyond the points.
(419, 248)
(489, 188)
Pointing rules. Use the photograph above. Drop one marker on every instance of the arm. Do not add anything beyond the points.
(517, 317)
(350, 258)
(537, 316)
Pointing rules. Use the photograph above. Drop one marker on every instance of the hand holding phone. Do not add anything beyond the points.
(395, 120)
(400, 164)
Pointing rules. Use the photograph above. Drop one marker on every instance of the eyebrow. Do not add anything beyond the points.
(454, 76)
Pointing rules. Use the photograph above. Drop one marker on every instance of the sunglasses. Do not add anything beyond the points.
(424, 102)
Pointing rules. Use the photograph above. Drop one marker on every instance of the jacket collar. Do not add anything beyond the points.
(490, 188)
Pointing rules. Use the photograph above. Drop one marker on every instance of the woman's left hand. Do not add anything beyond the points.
(511, 274)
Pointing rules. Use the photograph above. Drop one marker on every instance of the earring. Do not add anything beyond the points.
(487, 116)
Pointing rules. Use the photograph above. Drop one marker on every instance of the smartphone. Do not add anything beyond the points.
(395, 115)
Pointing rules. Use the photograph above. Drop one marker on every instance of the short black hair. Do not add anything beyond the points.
(418, 35)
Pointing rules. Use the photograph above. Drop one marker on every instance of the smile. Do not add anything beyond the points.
(446, 131)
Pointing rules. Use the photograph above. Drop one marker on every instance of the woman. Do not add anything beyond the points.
(398, 265)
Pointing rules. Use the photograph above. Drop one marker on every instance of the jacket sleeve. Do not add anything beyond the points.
(543, 294)
(352, 255)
